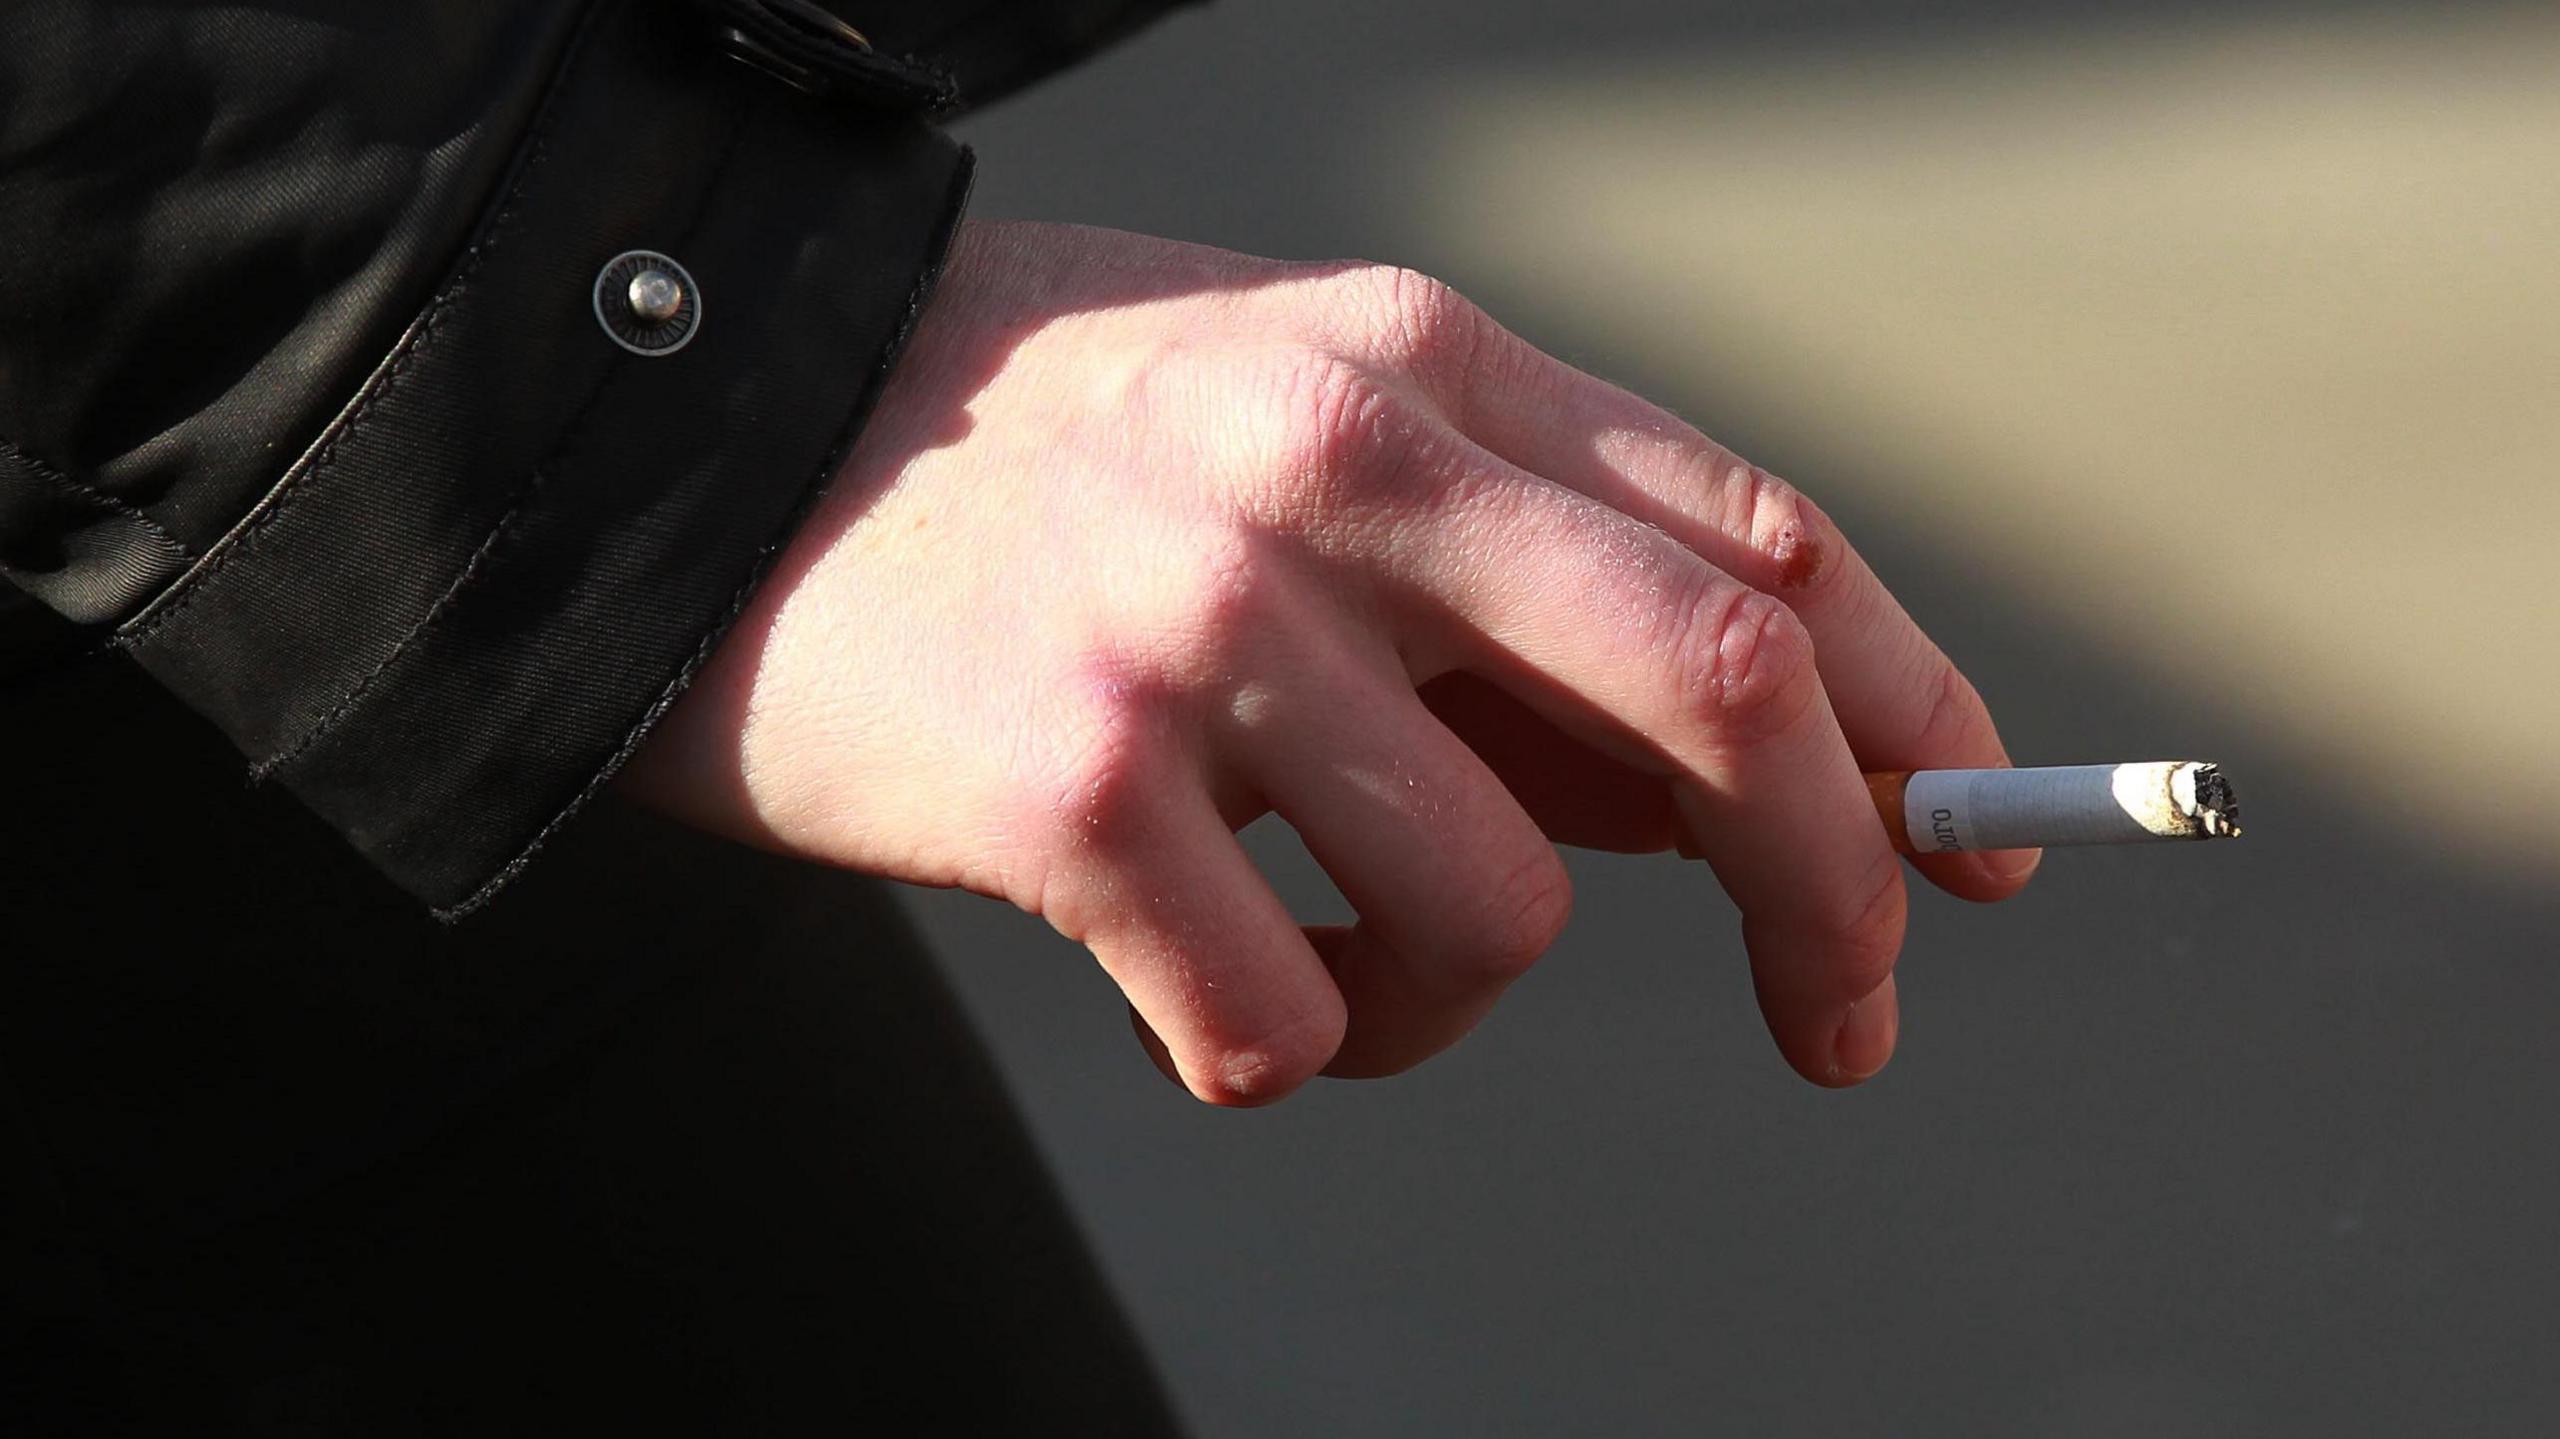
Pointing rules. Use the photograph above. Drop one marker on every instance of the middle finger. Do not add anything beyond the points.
(1901, 702)
(1618, 633)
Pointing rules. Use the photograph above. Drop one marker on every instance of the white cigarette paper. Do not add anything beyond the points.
(1945, 811)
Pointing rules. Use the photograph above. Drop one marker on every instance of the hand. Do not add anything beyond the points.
(1147, 540)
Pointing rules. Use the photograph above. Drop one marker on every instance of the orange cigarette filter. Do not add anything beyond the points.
(1887, 790)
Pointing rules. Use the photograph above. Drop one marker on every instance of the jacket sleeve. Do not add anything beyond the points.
(325, 390)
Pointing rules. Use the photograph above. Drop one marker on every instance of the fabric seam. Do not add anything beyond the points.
(265, 769)
(180, 595)
(45, 470)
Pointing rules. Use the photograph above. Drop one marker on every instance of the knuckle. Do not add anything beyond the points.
(1332, 418)
(1411, 318)
(1796, 550)
(1218, 596)
(1103, 762)
(1416, 327)
(1792, 546)
(1349, 444)
(1191, 626)
(1746, 668)
(1430, 325)
(1156, 375)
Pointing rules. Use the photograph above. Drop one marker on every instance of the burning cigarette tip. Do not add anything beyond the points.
(2209, 801)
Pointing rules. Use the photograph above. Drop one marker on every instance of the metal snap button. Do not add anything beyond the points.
(648, 303)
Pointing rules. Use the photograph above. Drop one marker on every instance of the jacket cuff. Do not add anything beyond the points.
(463, 608)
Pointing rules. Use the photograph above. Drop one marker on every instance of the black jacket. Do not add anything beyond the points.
(307, 396)
(306, 404)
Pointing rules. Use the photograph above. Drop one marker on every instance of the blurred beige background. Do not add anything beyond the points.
(2200, 339)
(2187, 367)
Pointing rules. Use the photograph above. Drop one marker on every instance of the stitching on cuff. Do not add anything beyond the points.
(265, 769)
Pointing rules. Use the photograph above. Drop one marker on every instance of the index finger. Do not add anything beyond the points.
(1902, 704)
(1618, 633)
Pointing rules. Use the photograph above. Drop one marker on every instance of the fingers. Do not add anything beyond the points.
(1457, 890)
(1602, 623)
(1900, 702)
(1174, 909)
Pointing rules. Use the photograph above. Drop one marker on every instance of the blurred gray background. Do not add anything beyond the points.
(2189, 369)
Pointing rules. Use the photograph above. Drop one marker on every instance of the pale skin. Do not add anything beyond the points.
(1147, 540)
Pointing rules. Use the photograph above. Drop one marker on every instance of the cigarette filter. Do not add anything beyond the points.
(1951, 810)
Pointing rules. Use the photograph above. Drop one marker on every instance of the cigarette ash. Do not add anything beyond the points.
(2216, 810)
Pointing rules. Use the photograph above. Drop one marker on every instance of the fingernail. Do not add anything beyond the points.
(1866, 1037)
(2010, 866)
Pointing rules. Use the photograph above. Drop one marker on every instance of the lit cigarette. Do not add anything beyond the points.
(1943, 811)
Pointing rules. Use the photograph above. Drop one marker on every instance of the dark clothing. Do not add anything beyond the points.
(681, 1138)
(305, 404)
(303, 388)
